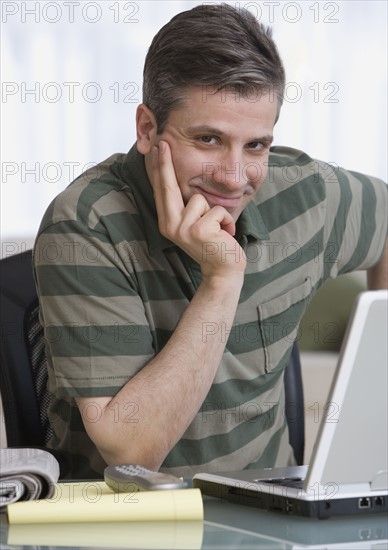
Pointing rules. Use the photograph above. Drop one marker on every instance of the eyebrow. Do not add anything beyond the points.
(204, 129)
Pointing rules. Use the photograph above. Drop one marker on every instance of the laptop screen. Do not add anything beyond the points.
(352, 442)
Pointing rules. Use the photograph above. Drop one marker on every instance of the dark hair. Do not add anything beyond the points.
(214, 46)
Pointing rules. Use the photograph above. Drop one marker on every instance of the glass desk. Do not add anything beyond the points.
(226, 525)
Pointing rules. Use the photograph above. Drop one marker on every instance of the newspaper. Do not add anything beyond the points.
(26, 474)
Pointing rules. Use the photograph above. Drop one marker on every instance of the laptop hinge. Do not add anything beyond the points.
(380, 481)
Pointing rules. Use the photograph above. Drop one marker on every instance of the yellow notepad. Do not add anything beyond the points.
(95, 502)
(179, 535)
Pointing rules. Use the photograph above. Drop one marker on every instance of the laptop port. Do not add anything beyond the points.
(364, 502)
(379, 501)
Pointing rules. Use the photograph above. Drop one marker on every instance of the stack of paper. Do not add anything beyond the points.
(169, 535)
(96, 502)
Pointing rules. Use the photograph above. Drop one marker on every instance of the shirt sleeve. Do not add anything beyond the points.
(356, 220)
(345, 211)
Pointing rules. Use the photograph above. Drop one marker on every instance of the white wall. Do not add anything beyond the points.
(71, 73)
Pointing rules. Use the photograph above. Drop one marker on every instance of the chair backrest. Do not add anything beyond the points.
(294, 407)
(23, 373)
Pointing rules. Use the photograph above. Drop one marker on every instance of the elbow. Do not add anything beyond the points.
(129, 447)
(131, 452)
(378, 274)
(120, 441)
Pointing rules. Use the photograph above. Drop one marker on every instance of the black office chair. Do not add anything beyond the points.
(23, 373)
(294, 407)
(23, 364)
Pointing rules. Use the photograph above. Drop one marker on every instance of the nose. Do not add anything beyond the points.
(227, 171)
(231, 171)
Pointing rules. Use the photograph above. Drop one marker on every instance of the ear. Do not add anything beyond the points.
(146, 129)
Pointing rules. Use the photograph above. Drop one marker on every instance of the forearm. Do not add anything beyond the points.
(378, 274)
(169, 390)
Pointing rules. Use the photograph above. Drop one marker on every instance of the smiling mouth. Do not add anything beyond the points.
(221, 200)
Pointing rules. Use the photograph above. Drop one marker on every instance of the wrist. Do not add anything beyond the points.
(224, 283)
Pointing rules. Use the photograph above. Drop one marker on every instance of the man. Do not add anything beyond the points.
(184, 267)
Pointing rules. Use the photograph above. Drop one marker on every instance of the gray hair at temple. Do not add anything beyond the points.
(216, 47)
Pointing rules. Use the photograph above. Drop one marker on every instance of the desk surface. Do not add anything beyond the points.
(226, 526)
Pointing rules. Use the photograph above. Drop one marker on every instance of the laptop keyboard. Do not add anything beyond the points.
(296, 482)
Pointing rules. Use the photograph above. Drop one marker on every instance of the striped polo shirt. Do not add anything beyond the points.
(112, 290)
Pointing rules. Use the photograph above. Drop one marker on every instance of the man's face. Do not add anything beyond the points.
(220, 144)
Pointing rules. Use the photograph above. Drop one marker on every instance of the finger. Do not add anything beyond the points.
(195, 209)
(168, 196)
(217, 218)
(155, 183)
(221, 219)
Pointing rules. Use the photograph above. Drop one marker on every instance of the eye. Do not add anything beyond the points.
(256, 145)
(209, 140)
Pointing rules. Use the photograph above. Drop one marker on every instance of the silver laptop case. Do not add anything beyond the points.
(348, 472)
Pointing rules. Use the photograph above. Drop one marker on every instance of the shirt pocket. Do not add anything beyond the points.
(279, 320)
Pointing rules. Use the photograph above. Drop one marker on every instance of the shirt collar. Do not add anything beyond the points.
(249, 223)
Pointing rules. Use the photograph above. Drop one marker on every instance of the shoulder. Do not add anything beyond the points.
(288, 166)
(293, 168)
(100, 191)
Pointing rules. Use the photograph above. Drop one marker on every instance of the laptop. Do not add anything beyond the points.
(348, 471)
